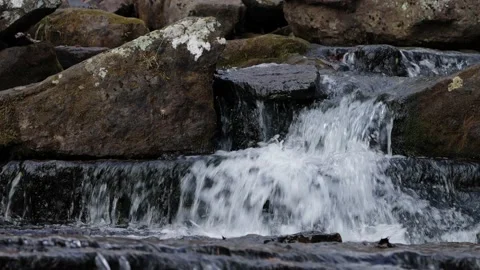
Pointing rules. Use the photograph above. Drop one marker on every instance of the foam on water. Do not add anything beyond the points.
(327, 175)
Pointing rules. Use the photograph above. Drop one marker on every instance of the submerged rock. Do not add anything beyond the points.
(27, 64)
(72, 55)
(149, 97)
(439, 24)
(19, 16)
(442, 119)
(262, 49)
(158, 14)
(88, 28)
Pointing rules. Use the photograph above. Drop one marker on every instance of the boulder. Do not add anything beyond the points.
(442, 119)
(442, 24)
(88, 28)
(264, 16)
(149, 97)
(19, 16)
(27, 64)
(72, 55)
(120, 7)
(158, 14)
(262, 49)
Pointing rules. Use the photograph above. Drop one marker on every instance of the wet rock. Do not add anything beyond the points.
(109, 192)
(72, 55)
(27, 64)
(262, 49)
(442, 119)
(307, 238)
(147, 98)
(158, 14)
(385, 243)
(441, 24)
(259, 102)
(382, 59)
(88, 28)
(264, 16)
(19, 16)
(120, 7)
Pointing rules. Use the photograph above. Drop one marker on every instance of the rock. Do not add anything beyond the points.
(382, 59)
(307, 238)
(442, 119)
(262, 49)
(158, 14)
(149, 97)
(27, 64)
(441, 24)
(259, 102)
(19, 16)
(120, 7)
(88, 28)
(71, 55)
(264, 16)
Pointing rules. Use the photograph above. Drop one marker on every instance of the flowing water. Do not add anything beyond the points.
(328, 174)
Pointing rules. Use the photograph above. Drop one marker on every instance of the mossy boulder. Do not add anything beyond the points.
(426, 23)
(261, 49)
(442, 120)
(149, 97)
(88, 28)
(27, 64)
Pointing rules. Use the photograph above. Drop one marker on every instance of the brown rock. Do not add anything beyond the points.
(443, 120)
(452, 24)
(121, 7)
(158, 14)
(27, 64)
(149, 97)
(88, 28)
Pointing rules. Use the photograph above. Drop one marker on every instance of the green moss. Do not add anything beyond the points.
(263, 49)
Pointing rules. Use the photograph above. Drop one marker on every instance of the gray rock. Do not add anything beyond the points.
(71, 55)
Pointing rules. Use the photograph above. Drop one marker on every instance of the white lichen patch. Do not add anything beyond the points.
(97, 84)
(55, 82)
(456, 83)
(222, 41)
(194, 32)
(102, 72)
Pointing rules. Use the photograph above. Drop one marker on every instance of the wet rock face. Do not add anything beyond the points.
(150, 97)
(19, 16)
(158, 14)
(441, 24)
(259, 102)
(72, 55)
(443, 119)
(27, 64)
(88, 28)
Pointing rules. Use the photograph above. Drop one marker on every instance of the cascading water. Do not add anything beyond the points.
(328, 174)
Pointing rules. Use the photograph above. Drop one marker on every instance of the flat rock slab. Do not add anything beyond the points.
(65, 251)
(273, 81)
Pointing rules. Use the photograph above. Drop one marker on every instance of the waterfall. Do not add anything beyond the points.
(328, 174)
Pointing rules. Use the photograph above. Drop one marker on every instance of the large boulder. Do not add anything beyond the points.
(149, 97)
(27, 64)
(88, 28)
(158, 14)
(19, 16)
(397, 22)
(120, 7)
(442, 119)
(262, 49)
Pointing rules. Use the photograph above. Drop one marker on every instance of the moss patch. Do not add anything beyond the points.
(263, 49)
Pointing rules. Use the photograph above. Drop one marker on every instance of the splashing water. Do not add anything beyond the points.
(328, 175)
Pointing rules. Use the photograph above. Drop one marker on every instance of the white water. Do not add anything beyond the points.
(324, 176)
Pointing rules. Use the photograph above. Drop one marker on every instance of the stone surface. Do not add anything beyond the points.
(440, 23)
(262, 49)
(88, 28)
(27, 64)
(443, 119)
(149, 97)
(158, 14)
(72, 55)
(18, 16)
(120, 7)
